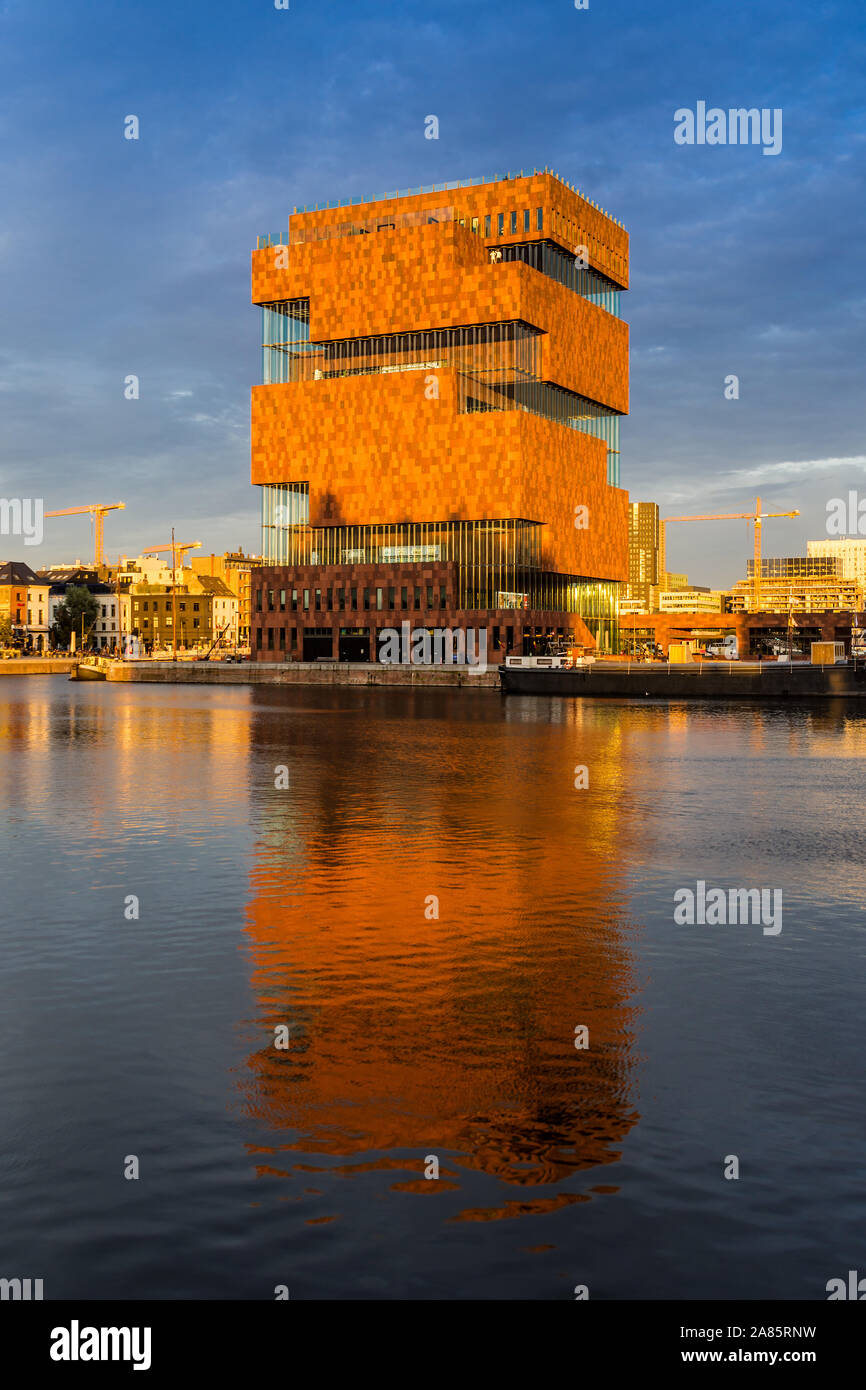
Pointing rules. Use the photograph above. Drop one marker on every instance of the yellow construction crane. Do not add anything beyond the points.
(758, 517)
(97, 510)
(176, 548)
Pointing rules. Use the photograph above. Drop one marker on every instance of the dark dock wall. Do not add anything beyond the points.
(706, 681)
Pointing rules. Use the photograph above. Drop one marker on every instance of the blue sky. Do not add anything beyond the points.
(121, 257)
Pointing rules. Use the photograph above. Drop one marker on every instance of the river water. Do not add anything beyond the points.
(409, 888)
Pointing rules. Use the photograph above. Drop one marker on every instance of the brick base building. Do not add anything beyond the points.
(318, 612)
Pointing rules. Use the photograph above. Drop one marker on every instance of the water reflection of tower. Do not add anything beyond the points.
(456, 1034)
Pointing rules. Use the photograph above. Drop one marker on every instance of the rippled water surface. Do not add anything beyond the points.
(432, 908)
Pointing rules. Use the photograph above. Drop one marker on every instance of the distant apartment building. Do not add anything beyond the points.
(694, 600)
(112, 613)
(143, 569)
(797, 567)
(436, 433)
(849, 550)
(798, 584)
(644, 573)
(202, 612)
(236, 570)
(24, 601)
(224, 607)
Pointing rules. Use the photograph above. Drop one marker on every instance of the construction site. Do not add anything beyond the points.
(781, 607)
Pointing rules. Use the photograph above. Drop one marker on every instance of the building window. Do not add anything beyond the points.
(195, 622)
(514, 222)
(443, 598)
(417, 596)
(104, 611)
(306, 600)
(270, 600)
(282, 639)
(258, 600)
(354, 598)
(487, 225)
(526, 219)
(367, 599)
(404, 597)
(294, 600)
(318, 600)
(329, 599)
(145, 605)
(496, 638)
(282, 600)
(195, 608)
(474, 224)
(429, 595)
(539, 220)
(341, 598)
(392, 596)
(270, 639)
(294, 638)
(500, 223)
(509, 639)
(258, 639)
(379, 597)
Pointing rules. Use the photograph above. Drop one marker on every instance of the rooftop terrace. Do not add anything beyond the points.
(277, 240)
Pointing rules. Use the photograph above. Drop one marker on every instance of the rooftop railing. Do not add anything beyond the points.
(281, 238)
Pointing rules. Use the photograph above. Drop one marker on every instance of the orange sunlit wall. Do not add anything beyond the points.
(376, 449)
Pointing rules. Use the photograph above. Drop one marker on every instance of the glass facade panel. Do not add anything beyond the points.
(489, 350)
(285, 336)
(283, 505)
(499, 564)
(497, 369)
(551, 260)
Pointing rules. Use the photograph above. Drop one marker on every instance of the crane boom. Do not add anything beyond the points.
(730, 516)
(97, 510)
(758, 517)
(178, 546)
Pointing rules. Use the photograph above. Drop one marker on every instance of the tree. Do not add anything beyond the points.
(7, 636)
(79, 603)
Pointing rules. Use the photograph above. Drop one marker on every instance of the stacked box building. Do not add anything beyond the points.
(436, 433)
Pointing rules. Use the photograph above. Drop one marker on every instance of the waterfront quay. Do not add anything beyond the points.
(38, 666)
(352, 673)
(725, 681)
